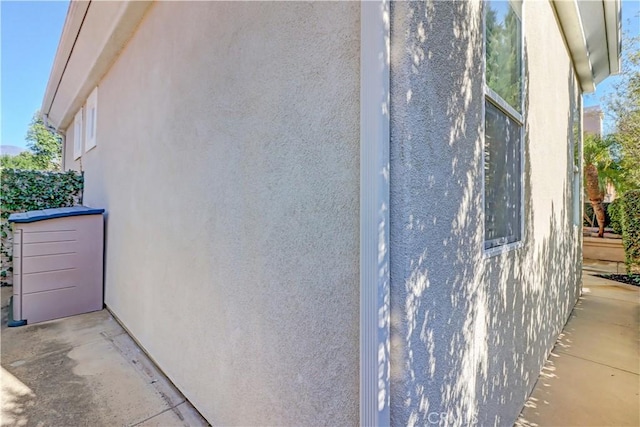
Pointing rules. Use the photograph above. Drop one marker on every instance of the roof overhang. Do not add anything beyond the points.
(93, 35)
(592, 32)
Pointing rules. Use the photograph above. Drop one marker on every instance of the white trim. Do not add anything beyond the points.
(612, 15)
(91, 127)
(374, 214)
(568, 15)
(592, 31)
(77, 135)
(92, 39)
(73, 22)
(503, 105)
(498, 250)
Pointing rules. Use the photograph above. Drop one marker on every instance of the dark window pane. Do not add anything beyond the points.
(504, 52)
(502, 178)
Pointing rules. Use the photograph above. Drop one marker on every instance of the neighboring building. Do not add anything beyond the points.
(592, 120)
(592, 125)
(319, 214)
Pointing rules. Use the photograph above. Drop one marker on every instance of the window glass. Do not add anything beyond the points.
(503, 175)
(504, 51)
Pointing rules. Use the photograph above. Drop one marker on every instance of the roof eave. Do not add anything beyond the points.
(576, 35)
(84, 57)
(613, 21)
(72, 24)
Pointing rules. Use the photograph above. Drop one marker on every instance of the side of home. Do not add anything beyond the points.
(226, 157)
(333, 213)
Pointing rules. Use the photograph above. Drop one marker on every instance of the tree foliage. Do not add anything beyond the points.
(45, 144)
(24, 160)
(45, 149)
(624, 107)
(601, 168)
(503, 51)
(631, 230)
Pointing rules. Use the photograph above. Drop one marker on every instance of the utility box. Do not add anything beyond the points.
(57, 263)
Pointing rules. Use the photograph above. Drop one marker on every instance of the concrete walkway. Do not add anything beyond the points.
(591, 377)
(83, 371)
(86, 370)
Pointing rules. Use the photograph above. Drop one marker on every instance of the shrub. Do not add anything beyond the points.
(615, 215)
(630, 208)
(28, 190)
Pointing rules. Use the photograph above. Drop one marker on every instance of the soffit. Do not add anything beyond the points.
(88, 47)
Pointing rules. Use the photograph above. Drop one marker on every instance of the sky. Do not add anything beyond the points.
(30, 32)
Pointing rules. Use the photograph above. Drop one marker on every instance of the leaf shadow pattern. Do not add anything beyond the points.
(469, 333)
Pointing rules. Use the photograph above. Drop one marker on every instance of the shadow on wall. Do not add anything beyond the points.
(469, 334)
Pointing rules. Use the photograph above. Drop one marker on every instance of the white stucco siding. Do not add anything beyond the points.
(228, 163)
(469, 332)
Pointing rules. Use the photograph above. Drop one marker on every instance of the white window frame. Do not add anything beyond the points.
(77, 135)
(91, 111)
(495, 99)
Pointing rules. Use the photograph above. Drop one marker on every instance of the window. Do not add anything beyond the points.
(92, 116)
(503, 124)
(77, 135)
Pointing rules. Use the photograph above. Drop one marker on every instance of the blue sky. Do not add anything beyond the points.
(30, 35)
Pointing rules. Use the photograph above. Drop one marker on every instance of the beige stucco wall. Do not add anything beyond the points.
(469, 332)
(228, 163)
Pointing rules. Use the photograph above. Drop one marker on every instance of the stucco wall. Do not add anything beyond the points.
(470, 333)
(68, 162)
(228, 163)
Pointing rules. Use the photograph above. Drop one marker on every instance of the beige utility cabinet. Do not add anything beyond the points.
(57, 263)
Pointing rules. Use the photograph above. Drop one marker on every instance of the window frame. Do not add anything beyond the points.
(489, 95)
(91, 105)
(78, 135)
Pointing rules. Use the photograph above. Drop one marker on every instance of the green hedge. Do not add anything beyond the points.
(614, 212)
(630, 208)
(28, 190)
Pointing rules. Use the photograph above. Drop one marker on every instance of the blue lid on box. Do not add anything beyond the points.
(33, 216)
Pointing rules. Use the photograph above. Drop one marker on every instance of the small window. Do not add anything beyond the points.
(503, 124)
(92, 117)
(77, 135)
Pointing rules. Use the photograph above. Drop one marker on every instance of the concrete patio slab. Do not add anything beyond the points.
(591, 377)
(622, 312)
(84, 370)
(577, 392)
(604, 288)
(601, 341)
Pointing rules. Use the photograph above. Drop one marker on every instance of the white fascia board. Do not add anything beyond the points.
(568, 15)
(374, 214)
(72, 24)
(95, 44)
(612, 15)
